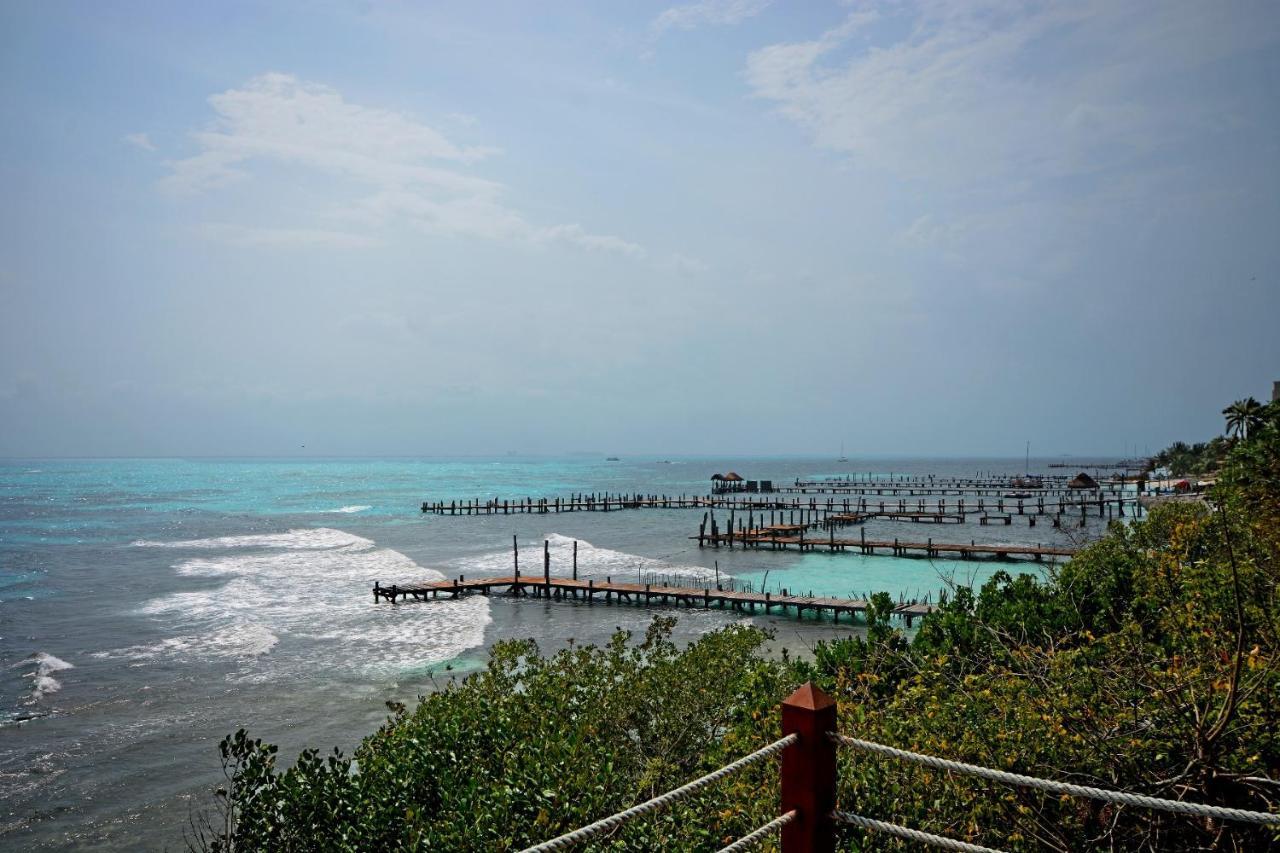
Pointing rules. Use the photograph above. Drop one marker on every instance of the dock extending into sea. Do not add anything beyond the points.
(786, 536)
(936, 509)
(592, 591)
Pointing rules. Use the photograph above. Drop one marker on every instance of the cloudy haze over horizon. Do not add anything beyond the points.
(728, 226)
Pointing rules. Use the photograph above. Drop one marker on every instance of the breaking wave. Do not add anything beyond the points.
(593, 562)
(300, 602)
(42, 666)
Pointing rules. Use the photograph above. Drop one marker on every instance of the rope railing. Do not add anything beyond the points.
(613, 821)
(939, 841)
(754, 837)
(1120, 797)
(809, 817)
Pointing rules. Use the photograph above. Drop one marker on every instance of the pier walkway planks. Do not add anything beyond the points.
(635, 593)
(782, 539)
(939, 510)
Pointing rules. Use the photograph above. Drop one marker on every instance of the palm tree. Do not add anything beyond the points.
(1243, 416)
(1255, 416)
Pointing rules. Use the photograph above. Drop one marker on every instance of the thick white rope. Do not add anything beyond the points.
(751, 839)
(910, 834)
(591, 830)
(1197, 809)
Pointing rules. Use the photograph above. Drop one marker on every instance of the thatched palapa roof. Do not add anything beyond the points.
(1083, 481)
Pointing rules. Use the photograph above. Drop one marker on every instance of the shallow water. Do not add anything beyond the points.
(148, 607)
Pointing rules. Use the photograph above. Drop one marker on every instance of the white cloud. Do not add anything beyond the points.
(972, 89)
(1000, 132)
(139, 140)
(277, 117)
(708, 12)
(574, 235)
(927, 232)
(683, 264)
(402, 171)
(250, 237)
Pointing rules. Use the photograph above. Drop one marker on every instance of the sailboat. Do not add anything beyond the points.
(842, 458)
(1027, 480)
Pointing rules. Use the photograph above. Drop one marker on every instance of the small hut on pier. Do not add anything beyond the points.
(1083, 481)
(723, 483)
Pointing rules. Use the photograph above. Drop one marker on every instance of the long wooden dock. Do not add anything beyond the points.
(935, 486)
(934, 510)
(901, 490)
(783, 537)
(591, 591)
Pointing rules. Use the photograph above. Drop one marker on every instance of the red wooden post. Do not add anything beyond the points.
(809, 771)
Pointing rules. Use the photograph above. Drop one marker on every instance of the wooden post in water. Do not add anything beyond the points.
(575, 559)
(515, 555)
(546, 563)
(809, 771)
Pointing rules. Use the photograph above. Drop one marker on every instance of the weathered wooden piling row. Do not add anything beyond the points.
(784, 537)
(591, 591)
(594, 502)
(935, 510)
(926, 490)
(1003, 481)
(793, 519)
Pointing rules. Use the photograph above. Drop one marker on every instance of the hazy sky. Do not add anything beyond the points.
(729, 226)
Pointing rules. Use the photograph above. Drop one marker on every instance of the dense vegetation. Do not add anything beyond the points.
(1187, 460)
(1148, 663)
(1243, 417)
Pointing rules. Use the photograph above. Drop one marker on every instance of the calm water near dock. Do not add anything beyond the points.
(148, 607)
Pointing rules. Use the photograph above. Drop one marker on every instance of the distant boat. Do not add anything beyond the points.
(611, 459)
(842, 458)
(664, 461)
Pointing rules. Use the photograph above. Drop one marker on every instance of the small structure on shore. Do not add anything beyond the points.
(1083, 481)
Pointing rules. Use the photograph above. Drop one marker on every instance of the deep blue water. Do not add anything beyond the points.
(148, 607)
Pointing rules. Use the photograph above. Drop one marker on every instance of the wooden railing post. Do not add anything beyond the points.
(809, 771)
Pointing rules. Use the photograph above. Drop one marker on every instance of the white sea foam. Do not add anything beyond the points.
(301, 604)
(306, 538)
(352, 508)
(593, 562)
(42, 666)
(240, 641)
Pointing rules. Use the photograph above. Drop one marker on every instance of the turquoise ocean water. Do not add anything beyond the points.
(148, 607)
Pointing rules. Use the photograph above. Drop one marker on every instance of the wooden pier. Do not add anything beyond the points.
(784, 537)
(595, 502)
(935, 510)
(592, 591)
(929, 486)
